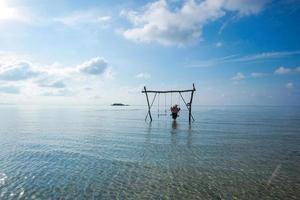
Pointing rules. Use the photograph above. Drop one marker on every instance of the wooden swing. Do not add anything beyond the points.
(158, 92)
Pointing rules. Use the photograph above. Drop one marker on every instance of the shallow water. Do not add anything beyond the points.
(111, 153)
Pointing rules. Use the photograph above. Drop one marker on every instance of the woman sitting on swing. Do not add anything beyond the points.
(175, 110)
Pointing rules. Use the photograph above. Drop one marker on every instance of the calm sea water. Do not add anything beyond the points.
(111, 153)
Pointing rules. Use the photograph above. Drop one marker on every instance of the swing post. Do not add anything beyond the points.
(151, 105)
(190, 104)
(149, 108)
(187, 105)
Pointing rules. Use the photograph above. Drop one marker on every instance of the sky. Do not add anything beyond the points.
(237, 52)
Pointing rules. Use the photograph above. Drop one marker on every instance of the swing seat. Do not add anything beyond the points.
(162, 114)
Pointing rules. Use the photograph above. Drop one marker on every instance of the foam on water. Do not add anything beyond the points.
(111, 153)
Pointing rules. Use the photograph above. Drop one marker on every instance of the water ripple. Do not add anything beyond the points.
(86, 153)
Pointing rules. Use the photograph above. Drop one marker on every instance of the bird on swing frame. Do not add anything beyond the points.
(174, 111)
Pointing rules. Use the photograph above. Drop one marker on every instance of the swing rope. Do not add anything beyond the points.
(165, 104)
(158, 105)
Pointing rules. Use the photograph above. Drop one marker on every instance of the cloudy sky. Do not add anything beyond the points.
(237, 52)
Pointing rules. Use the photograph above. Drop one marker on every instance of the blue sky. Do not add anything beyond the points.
(237, 52)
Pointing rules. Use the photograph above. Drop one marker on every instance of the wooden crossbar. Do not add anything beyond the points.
(168, 91)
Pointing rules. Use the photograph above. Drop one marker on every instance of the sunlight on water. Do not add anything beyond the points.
(112, 153)
(3, 177)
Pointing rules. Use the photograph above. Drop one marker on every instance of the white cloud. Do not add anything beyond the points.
(266, 55)
(213, 62)
(282, 70)
(9, 89)
(58, 92)
(219, 44)
(289, 85)
(238, 77)
(109, 73)
(143, 76)
(53, 80)
(158, 22)
(84, 17)
(258, 75)
(245, 7)
(48, 82)
(246, 58)
(297, 69)
(10, 57)
(104, 19)
(18, 71)
(94, 66)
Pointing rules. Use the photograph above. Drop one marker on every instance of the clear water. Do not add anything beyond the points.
(111, 153)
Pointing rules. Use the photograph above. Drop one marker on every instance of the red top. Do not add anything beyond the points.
(175, 109)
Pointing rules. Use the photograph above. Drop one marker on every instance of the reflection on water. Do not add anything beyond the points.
(174, 126)
(105, 153)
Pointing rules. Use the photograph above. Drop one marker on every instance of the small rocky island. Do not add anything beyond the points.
(119, 104)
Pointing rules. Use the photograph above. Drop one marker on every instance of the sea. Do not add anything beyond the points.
(104, 152)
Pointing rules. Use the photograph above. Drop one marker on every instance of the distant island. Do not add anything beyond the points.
(119, 104)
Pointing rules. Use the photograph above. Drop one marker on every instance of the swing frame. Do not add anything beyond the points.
(187, 104)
